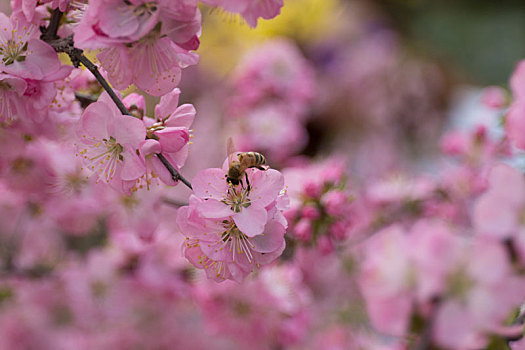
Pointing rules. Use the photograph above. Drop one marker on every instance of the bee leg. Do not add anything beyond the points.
(247, 182)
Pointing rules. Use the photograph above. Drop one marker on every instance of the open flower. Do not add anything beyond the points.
(232, 230)
(246, 207)
(23, 54)
(111, 144)
(168, 134)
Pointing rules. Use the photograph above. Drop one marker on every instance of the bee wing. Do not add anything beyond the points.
(230, 150)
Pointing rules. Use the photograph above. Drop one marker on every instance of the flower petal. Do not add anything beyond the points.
(133, 166)
(129, 131)
(272, 238)
(173, 139)
(251, 220)
(183, 116)
(210, 183)
(167, 105)
(214, 209)
(95, 121)
(266, 186)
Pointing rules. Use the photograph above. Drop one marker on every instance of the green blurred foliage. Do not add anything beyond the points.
(484, 39)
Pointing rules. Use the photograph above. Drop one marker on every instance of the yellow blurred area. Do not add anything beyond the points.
(225, 37)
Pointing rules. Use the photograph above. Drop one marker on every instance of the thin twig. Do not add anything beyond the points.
(175, 175)
(94, 70)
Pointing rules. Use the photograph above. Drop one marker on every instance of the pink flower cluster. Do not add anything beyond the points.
(320, 211)
(232, 230)
(156, 36)
(242, 310)
(466, 287)
(272, 88)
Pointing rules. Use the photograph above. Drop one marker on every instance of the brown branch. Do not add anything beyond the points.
(50, 33)
(175, 175)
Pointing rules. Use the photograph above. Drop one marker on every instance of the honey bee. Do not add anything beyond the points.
(237, 167)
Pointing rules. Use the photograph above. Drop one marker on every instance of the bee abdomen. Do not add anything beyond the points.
(255, 158)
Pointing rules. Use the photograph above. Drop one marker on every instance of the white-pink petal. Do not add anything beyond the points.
(210, 183)
(168, 104)
(213, 209)
(251, 220)
(266, 186)
(271, 240)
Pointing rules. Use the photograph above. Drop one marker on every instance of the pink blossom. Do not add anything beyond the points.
(28, 68)
(170, 136)
(232, 230)
(335, 202)
(499, 210)
(454, 143)
(321, 212)
(481, 293)
(310, 212)
(303, 230)
(386, 281)
(110, 143)
(405, 273)
(247, 207)
(242, 312)
(272, 72)
(28, 7)
(172, 126)
(14, 105)
(24, 54)
(271, 130)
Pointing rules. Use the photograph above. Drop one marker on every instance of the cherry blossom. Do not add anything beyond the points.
(232, 230)
(109, 144)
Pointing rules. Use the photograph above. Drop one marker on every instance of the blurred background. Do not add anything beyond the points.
(387, 73)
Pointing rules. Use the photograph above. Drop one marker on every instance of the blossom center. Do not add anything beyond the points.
(459, 284)
(12, 51)
(103, 156)
(148, 8)
(237, 199)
